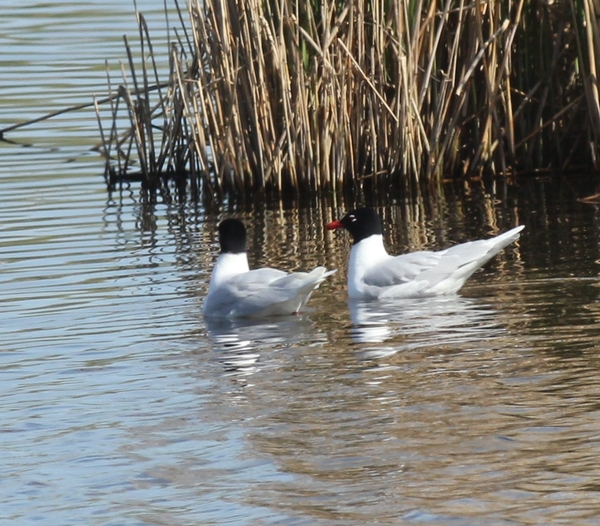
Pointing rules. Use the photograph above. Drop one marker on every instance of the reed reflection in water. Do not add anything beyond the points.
(473, 409)
(437, 410)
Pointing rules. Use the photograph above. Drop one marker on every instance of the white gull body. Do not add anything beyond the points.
(375, 274)
(236, 291)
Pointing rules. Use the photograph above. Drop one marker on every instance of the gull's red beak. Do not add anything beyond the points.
(334, 225)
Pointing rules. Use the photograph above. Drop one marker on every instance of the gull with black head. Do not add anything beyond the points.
(375, 274)
(235, 291)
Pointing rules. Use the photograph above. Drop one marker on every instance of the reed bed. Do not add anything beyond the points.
(331, 95)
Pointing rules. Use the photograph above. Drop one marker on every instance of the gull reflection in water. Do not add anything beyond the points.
(407, 324)
(239, 342)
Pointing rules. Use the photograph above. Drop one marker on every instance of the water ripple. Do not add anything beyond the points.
(121, 404)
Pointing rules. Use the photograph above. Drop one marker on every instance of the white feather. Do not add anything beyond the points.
(236, 291)
(373, 273)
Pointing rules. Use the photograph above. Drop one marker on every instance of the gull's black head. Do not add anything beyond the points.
(232, 236)
(361, 223)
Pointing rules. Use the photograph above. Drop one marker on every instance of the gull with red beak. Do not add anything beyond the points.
(375, 274)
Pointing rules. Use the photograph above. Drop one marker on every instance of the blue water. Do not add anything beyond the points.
(120, 405)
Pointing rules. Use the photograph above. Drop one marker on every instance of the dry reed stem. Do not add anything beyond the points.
(287, 95)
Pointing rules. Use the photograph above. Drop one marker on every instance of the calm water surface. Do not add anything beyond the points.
(120, 405)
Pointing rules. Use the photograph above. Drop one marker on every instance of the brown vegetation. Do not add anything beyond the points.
(330, 95)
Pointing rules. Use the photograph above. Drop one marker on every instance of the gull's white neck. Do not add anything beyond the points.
(363, 256)
(227, 266)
